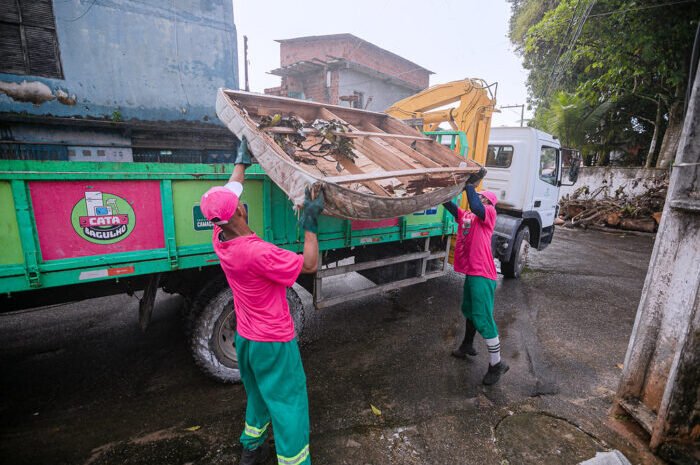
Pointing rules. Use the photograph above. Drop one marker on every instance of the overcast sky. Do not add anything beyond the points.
(453, 38)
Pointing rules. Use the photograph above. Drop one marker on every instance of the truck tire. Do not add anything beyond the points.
(518, 257)
(212, 325)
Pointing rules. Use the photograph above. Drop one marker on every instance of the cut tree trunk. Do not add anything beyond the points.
(638, 224)
(672, 137)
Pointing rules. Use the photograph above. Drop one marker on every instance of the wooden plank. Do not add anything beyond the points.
(352, 134)
(373, 186)
(407, 150)
(373, 150)
(306, 108)
(431, 149)
(397, 174)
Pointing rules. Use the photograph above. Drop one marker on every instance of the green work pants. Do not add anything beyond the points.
(275, 383)
(477, 304)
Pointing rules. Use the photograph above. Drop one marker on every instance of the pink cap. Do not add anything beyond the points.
(491, 196)
(218, 204)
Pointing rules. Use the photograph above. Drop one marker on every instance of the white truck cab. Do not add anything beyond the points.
(525, 172)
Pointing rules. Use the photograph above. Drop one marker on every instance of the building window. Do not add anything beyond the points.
(499, 156)
(358, 100)
(28, 41)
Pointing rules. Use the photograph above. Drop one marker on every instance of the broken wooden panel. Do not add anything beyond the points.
(369, 165)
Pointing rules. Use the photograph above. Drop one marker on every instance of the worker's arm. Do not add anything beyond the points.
(452, 208)
(242, 161)
(308, 220)
(238, 174)
(475, 204)
(310, 253)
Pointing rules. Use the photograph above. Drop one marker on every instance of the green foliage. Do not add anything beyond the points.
(525, 14)
(610, 60)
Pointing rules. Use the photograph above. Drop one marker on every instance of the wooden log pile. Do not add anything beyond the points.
(585, 208)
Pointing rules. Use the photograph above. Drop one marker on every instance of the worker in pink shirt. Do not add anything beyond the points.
(268, 355)
(474, 259)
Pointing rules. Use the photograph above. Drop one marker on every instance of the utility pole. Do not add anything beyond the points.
(522, 112)
(659, 382)
(245, 62)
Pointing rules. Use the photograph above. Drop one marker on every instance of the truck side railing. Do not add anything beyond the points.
(423, 274)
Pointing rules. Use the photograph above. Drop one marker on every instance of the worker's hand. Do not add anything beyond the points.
(243, 155)
(475, 178)
(312, 209)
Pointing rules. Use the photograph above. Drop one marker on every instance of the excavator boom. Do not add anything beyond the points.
(472, 114)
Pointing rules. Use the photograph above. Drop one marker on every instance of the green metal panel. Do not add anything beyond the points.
(270, 215)
(27, 234)
(11, 250)
(453, 136)
(431, 216)
(191, 227)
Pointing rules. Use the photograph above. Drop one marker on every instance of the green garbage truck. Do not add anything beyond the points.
(78, 230)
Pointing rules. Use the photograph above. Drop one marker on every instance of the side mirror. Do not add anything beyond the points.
(572, 159)
(573, 173)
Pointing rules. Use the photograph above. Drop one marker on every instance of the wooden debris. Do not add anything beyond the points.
(584, 208)
(370, 165)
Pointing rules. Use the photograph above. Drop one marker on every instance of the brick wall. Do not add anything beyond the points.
(356, 50)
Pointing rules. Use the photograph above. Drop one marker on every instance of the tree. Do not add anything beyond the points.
(612, 50)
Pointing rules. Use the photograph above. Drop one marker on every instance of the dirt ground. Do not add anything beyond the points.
(82, 385)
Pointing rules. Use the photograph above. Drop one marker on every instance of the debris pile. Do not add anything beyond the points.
(585, 208)
(305, 147)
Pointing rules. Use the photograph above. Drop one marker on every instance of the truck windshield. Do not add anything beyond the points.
(499, 156)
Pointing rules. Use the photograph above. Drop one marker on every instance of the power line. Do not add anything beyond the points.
(581, 22)
(83, 14)
(607, 13)
(566, 34)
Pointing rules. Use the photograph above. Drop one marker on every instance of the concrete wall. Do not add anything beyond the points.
(129, 59)
(383, 94)
(634, 181)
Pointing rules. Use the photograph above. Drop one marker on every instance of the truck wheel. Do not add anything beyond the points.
(212, 324)
(518, 257)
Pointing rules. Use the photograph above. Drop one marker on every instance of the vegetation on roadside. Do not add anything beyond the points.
(608, 76)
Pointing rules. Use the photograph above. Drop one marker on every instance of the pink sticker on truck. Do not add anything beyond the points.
(83, 218)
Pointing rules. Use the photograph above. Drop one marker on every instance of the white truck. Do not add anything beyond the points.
(525, 169)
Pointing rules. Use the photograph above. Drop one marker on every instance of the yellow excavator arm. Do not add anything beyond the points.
(472, 115)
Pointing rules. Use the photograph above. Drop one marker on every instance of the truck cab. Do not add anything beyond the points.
(525, 172)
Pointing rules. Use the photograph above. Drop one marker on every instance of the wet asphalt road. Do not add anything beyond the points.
(82, 384)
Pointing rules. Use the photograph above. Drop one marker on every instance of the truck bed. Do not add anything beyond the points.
(67, 223)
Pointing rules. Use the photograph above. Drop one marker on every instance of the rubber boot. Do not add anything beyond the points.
(467, 346)
(494, 373)
(255, 456)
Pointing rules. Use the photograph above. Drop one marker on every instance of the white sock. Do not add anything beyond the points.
(494, 347)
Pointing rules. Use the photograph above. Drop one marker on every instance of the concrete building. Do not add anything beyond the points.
(342, 69)
(116, 80)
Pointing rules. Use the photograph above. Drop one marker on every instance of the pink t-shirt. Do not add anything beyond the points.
(473, 249)
(259, 274)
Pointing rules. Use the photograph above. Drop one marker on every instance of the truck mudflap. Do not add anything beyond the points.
(504, 234)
